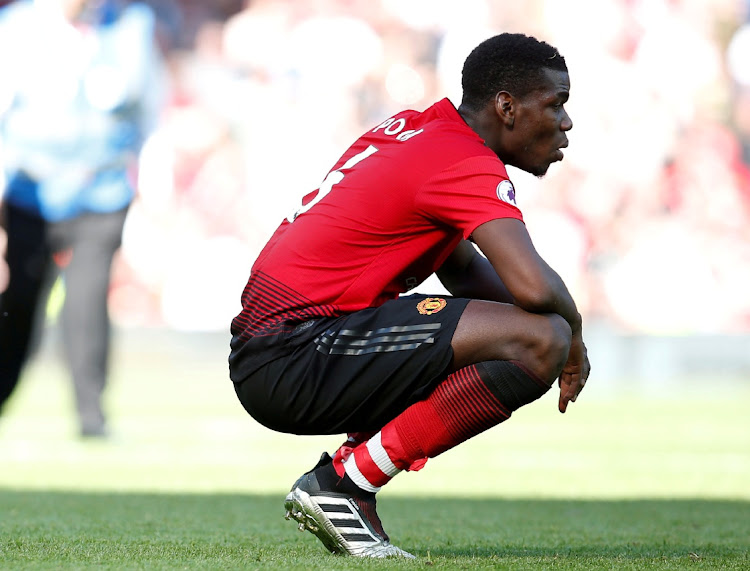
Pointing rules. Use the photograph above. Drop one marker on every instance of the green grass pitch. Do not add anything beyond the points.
(632, 477)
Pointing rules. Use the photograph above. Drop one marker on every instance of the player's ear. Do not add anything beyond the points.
(505, 108)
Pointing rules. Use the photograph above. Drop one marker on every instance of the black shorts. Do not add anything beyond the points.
(356, 372)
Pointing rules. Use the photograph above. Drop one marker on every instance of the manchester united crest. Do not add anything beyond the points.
(430, 305)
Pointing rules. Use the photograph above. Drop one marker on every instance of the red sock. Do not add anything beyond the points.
(460, 407)
(353, 440)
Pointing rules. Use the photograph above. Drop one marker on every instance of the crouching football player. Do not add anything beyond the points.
(326, 343)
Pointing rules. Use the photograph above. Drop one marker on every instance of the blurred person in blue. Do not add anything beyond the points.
(81, 86)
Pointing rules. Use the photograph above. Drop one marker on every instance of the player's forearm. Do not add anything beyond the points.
(477, 280)
(551, 296)
(565, 305)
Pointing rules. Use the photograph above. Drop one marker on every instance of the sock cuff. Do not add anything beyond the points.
(355, 475)
(380, 456)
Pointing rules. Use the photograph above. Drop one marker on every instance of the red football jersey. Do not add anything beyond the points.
(388, 214)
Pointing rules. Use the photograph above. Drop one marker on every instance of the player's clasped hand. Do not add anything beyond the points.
(575, 373)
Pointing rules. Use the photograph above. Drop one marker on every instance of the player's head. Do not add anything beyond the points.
(520, 85)
(509, 62)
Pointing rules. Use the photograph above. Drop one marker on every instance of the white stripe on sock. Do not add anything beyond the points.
(350, 465)
(380, 456)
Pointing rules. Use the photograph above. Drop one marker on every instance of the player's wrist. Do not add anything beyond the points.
(576, 325)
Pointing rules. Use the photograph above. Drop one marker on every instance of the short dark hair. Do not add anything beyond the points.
(507, 62)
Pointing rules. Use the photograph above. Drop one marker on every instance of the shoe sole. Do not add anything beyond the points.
(310, 517)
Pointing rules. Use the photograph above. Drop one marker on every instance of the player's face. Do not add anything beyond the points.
(540, 125)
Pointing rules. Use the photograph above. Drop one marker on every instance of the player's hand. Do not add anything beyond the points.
(574, 374)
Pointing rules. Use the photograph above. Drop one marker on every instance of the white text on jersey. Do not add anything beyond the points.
(395, 126)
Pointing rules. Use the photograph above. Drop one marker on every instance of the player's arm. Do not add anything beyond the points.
(466, 273)
(534, 285)
(536, 288)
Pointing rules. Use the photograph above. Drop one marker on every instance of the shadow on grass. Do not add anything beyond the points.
(59, 529)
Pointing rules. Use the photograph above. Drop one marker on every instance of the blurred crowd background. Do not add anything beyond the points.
(647, 218)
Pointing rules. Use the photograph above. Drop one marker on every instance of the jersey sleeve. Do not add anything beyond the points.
(468, 194)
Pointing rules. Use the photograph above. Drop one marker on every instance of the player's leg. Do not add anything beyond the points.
(527, 345)
(504, 358)
(468, 402)
(522, 355)
(85, 318)
(489, 331)
(351, 374)
(28, 260)
(337, 499)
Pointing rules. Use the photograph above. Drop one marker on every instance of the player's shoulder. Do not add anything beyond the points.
(438, 128)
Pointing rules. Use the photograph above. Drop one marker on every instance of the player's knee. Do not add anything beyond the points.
(512, 383)
(552, 345)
